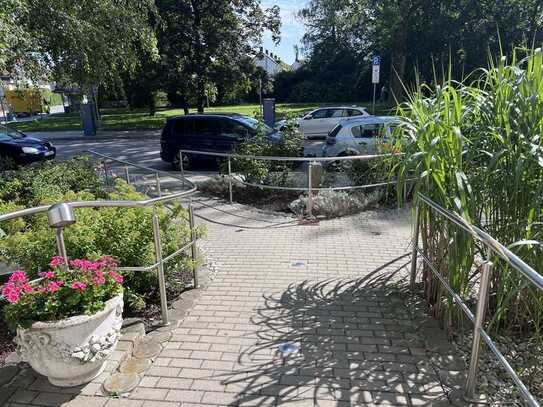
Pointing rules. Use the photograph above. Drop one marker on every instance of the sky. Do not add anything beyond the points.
(292, 30)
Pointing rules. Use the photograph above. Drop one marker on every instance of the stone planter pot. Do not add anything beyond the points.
(72, 351)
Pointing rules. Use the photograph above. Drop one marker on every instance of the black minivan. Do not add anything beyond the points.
(218, 133)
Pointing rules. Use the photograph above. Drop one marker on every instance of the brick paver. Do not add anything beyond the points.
(328, 289)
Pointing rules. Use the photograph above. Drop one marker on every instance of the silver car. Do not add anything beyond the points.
(318, 123)
(358, 136)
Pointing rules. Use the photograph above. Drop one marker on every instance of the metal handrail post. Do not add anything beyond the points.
(479, 321)
(126, 174)
(414, 253)
(160, 268)
(230, 178)
(181, 167)
(106, 177)
(61, 246)
(157, 180)
(193, 247)
(309, 191)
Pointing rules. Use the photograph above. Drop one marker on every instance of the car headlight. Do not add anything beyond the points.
(30, 150)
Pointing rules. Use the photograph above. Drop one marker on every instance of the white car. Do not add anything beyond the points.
(319, 122)
(359, 136)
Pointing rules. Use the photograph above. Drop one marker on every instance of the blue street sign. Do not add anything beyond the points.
(377, 60)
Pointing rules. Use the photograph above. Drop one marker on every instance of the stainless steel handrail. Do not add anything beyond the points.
(493, 246)
(152, 202)
(277, 158)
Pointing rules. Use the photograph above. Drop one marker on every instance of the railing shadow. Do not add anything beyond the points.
(356, 344)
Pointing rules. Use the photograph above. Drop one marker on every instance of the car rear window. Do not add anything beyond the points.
(367, 131)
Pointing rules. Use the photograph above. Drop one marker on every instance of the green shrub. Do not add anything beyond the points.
(123, 233)
(257, 171)
(45, 183)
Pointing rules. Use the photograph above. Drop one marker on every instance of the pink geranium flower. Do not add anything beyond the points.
(98, 278)
(47, 274)
(11, 292)
(56, 261)
(54, 286)
(78, 285)
(18, 277)
(117, 277)
(85, 265)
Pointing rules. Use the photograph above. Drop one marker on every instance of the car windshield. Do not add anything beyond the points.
(7, 134)
(256, 125)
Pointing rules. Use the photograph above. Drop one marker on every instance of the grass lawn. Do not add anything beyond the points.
(139, 119)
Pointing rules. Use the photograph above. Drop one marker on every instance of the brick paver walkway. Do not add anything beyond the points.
(327, 289)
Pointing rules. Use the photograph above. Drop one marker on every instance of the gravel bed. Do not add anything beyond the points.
(524, 355)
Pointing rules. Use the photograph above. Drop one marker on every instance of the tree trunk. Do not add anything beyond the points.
(397, 65)
(198, 63)
(201, 94)
(152, 104)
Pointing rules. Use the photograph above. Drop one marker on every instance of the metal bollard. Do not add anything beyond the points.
(157, 180)
(230, 178)
(479, 321)
(160, 269)
(309, 192)
(193, 247)
(415, 253)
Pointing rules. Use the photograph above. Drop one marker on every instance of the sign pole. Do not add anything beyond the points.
(374, 91)
(375, 68)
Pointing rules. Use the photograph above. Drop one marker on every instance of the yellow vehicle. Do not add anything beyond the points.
(29, 101)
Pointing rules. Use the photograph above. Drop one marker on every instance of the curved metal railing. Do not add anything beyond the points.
(152, 202)
(492, 246)
(313, 162)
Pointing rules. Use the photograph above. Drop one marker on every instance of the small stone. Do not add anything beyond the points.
(147, 349)
(120, 383)
(79, 355)
(13, 359)
(134, 365)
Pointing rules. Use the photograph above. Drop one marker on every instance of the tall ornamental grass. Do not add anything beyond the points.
(475, 148)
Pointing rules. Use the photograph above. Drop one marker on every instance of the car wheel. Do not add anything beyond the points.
(187, 162)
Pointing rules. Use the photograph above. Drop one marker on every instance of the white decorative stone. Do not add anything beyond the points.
(72, 351)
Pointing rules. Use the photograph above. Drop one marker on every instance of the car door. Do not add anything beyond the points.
(231, 135)
(312, 124)
(207, 134)
(366, 137)
(334, 117)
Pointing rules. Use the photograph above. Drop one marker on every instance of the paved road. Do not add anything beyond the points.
(142, 151)
(138, 150)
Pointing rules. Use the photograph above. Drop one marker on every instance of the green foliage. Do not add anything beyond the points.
(46, 182)
(256, 171)
(476, 149)
(343, 35)
(123, 233)
(62, 293)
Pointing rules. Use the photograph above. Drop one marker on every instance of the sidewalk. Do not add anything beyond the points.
(329, 291)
